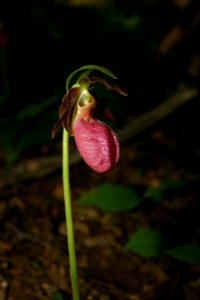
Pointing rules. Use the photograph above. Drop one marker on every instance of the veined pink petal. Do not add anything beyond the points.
(97, 143)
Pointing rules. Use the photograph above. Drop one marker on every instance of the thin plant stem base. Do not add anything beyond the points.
(68, 216)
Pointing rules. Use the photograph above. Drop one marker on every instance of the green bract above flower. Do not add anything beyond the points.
(78, 101)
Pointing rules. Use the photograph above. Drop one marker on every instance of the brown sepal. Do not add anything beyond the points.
(109, 86)
(66, 112)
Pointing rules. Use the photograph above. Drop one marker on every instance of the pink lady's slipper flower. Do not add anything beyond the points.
(96, 141)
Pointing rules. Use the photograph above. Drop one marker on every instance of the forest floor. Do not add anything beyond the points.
(33, 248)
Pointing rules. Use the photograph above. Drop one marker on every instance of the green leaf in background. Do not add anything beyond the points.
(31, 125)
(147, 242)
(34, 110)
(57, 296)
(188, 253)
(157, 193)
(37, 133)
(111, 198)
(19, 137)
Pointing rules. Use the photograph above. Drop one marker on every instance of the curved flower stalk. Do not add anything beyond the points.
(96, 141)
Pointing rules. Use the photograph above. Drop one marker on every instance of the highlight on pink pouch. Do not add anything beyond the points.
(96, 140)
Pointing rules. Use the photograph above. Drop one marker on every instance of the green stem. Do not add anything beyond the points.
(68, 216)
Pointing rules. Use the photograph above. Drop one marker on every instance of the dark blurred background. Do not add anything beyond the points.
(152, 47)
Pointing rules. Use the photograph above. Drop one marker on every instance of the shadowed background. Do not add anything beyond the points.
(153, 49)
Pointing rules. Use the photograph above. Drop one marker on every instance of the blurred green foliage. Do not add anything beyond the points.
(157, 193)
(30, 126)
(57, 296)
(147, 242)
(112, 198)
(189, 253)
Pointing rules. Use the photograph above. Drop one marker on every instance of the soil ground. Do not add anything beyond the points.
(33, 248)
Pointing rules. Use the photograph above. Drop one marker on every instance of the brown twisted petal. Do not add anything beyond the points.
(67, 111)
